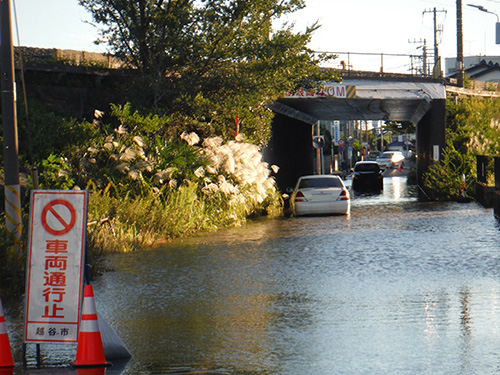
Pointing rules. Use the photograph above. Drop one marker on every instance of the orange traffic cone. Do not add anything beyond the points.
(6, 359)
(89, 351)
(90, 371)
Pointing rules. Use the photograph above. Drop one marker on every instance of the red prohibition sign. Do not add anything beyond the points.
(66, 227)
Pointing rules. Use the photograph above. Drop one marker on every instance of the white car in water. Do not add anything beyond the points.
(320, 195)
(391, 159)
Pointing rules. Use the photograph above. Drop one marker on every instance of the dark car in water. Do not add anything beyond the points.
(373, 155)
(367, 176)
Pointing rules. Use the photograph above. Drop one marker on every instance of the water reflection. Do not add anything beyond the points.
(399, 286)
(465, 313)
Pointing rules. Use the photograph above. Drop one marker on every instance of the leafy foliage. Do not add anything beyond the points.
(404, 127)
(55, 173)
(473, 128)
(45, 133)
(446, 177)
(214, 60)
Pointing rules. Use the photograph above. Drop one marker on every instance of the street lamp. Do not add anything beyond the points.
(497, 26)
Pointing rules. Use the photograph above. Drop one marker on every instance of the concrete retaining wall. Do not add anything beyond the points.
(42, 56)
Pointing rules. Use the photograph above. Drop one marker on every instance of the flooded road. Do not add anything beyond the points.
(396, 287)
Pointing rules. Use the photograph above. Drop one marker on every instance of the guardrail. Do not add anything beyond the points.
(486, 194)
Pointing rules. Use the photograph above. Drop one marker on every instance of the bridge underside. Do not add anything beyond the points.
(422, 103)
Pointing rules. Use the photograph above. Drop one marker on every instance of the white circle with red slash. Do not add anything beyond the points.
(58, 217)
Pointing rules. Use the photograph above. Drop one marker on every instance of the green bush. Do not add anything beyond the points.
(473, 128)
(45, 133)
(446, 178)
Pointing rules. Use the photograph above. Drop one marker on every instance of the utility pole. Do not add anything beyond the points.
(437, 58)
(460, 46)
(424, 58)
(425, 70)
(9, 118)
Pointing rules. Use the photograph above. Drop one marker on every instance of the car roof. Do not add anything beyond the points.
(391, 152)
(367, 162)
(320, 176)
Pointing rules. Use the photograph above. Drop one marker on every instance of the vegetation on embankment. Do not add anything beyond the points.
(146, 186)
(473, 128)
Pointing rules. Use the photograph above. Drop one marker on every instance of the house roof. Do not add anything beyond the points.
(480, 70)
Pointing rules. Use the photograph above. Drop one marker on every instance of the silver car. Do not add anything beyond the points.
(320, 195)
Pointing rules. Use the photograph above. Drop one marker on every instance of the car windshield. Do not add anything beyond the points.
(320, 182)
(368, 167)
(386, 155)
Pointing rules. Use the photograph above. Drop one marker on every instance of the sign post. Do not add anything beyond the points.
(318, 144)
(13, 222)
(55, 264)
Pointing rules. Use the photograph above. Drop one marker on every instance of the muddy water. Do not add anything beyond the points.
(396, 287)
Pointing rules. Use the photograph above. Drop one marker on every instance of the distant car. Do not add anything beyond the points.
(391, 159)
(367, 176)
(320, 195)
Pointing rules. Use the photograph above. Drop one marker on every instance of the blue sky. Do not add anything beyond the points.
(54, 24)
(375, 26)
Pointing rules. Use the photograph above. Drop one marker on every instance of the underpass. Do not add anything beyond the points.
(377, 97)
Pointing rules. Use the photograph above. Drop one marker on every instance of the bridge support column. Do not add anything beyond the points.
(430, 141)
(290, 148)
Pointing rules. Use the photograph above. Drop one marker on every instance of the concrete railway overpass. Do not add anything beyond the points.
(420, 101)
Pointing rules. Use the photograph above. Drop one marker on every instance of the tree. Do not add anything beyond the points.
(211, 60)
(473, 128)
(403, 127)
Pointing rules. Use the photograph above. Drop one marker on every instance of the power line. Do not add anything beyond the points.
(364, 53)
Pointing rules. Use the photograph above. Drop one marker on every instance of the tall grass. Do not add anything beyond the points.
(12, 263)
(134, 223)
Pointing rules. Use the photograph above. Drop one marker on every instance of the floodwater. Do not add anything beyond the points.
(397, 287)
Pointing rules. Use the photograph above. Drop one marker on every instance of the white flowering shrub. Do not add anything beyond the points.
(229, 175)
(152, 187)
(485, 140)
(237, 171)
